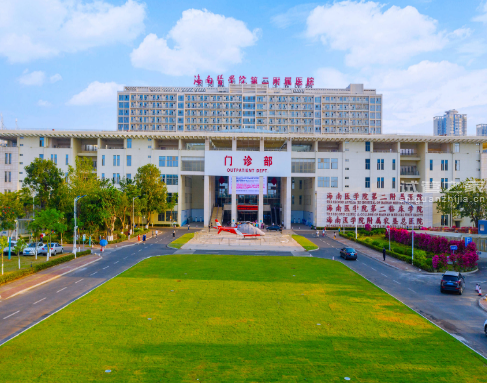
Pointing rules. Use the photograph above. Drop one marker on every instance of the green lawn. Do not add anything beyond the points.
(25, 261)
(178, 243)
(304, 242)
(223, 318)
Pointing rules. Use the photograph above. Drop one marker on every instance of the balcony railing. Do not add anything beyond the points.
(438, 151)
(408, 153)
(409, 173)
(89, 148)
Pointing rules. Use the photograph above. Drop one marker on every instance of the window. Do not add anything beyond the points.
(129, 176)
(300, 184)
(444, 183)
(171, 179)
(41, 142)
(457, 165)
(444, 220)
(172, 161)
(103, 160)
(431, 183)
(300, 199)
(162, 161)
(67, 159)
(8, 176)
(393, 182)
(334, 182)
(393, 164)
(195, 164)
(367, 146)
(129, 143)
(292, 183)
(334, 163)
(446, 164)
(129, 160)
(367, 182)
(292, 200)
(323, 182)
(456, 147)
(367, 164)
(302, 165)
(431, 164)
(114, 160)
(380, 182)
(54, 158)
(323, 163)
(103, 176)
(41, 156)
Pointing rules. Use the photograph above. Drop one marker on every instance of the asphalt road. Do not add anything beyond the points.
(458, 315)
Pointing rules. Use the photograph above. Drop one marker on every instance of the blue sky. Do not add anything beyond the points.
(61, 63)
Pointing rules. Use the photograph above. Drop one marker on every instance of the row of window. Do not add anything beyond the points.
(444, 165)
(327, 182)
(380, 182)
(168, 179)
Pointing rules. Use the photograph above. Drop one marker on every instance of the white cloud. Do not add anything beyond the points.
(482, 18)
(99, 93)
(44, 103)
(55, 78)
(201, 40)
(294, 15)
(36, 78)
(371, 35)
(33, 29)
(331, 78)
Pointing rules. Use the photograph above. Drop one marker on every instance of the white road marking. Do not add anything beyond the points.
(125, 258)
(116, 262)
(411, 290)
(105, 267)
(64, 288)
(93, 273)
(78, 281)
(39, 301)
(385, 275)
(11, 314)
(372, 268)
(396, 282)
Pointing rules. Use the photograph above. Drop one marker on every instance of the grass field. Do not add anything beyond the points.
(305, 243)
(238, 319)
(25, 261)
(178, 243)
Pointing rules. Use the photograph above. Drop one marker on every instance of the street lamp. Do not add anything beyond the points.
(133, 215)
(75, 227)
(412, 235)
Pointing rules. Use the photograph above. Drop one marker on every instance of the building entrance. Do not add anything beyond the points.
(247, 216)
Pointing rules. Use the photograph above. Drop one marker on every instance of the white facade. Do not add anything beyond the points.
(255, 108)
(298, 167)
(450, 124)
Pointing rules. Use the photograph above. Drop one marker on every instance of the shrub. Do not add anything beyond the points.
(440, 261)
(367, 227)
(375, 243)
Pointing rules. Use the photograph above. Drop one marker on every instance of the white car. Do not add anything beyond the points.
(56, 248)
(12, 245)
(31, 248)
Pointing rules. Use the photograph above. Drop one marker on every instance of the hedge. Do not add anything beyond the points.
(427, 265)
(39, 267)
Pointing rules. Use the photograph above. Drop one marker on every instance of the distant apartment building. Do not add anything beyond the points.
(450, 124)
(482, 130)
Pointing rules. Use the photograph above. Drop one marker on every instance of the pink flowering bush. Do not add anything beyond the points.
(367, 227)
(465, 257)
(440, 261)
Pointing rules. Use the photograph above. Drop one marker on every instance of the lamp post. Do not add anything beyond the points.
(133, 215)
(412, 235)
(75, 226)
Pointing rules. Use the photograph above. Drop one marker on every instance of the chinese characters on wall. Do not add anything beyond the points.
(276, 81)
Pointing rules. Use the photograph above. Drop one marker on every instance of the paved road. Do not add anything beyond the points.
(460, 315)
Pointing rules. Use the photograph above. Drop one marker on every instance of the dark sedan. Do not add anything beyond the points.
(348, 253)
(273, 228)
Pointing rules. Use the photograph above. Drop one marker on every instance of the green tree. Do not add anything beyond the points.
(3, 245)
(465, 199)
(12, 208)
(50, 220)
(44, 178)
(19, 248)
(111, 200)
(171, 204)
(152, 189)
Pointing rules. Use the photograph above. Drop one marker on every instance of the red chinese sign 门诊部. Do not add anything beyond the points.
(343, 209)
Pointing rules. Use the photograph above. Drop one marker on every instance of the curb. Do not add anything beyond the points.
(463, 273)
(53, 278)
(482, 307)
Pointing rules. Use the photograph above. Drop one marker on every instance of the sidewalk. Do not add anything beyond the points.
(23, 284)
(371, 253)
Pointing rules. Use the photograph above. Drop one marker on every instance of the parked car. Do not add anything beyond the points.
(485, 328)
(56, 248)
(273, 228)
(348, 253)
(31, 248)
(12, 245)
(452, 281)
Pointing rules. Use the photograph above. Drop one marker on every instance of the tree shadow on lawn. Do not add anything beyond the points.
(328, 358)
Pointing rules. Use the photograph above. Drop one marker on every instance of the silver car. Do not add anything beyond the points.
(31, 248)
(56, 248)
(12, 245)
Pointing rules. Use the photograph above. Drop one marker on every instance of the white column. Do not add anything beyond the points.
(287, 212)
(234, 145)
(260, 215)
(179, 206)
(234, 199)
(261, 147)
(206, 204)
